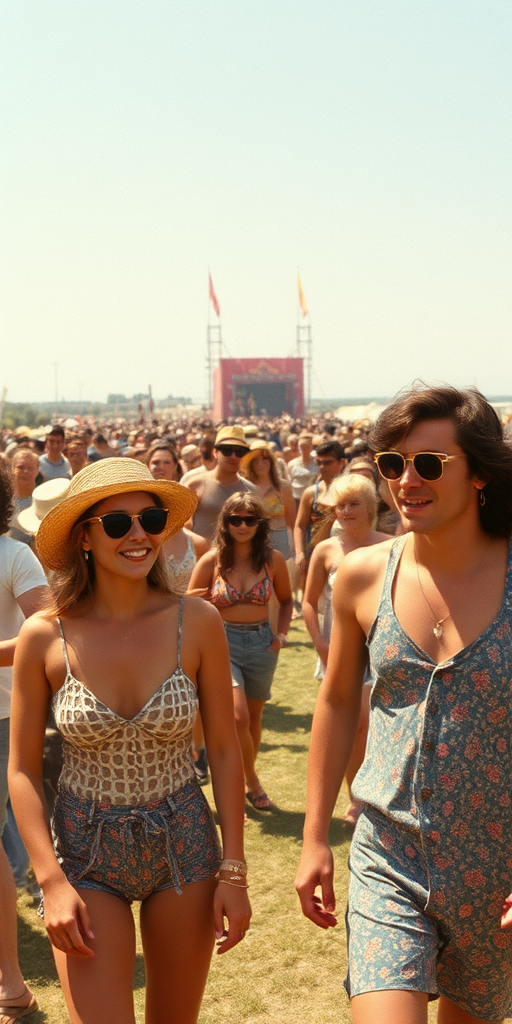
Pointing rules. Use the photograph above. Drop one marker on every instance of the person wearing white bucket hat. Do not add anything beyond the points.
(130, 822)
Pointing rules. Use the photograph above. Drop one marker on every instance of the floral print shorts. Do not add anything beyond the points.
(132, 852)
(400, 938)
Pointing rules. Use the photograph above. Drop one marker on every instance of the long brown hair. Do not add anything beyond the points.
(248, 469)
(261, 545)
(479, 433)
(73, 588)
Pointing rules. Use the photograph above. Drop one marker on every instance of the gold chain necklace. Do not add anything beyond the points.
(437, 628)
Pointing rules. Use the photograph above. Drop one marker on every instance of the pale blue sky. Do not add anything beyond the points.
(366, 141)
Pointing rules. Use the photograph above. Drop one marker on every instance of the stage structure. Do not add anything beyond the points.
(304, 339)
(214, 346)
(252, 387)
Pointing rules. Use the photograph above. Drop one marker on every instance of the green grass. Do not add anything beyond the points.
(285, 969)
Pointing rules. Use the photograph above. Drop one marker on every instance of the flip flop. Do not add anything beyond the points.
(12, 1011)
(259, 800)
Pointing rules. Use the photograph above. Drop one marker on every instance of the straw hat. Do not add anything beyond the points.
(44, 498)
(257, 446)
(96, 482)
(231, 435)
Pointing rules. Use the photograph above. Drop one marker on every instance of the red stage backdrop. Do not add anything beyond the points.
(250, 387)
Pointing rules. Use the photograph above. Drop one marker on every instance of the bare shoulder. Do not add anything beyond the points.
(209, 558)
(200, 614)
(38, 631)
(277, 561)
(196, 484)
(364, 567)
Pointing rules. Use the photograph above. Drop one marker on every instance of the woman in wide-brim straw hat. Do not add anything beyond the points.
(130, 821)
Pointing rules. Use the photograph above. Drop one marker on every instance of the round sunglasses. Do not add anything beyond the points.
(248, 520)
(118, 524)
(428, 465)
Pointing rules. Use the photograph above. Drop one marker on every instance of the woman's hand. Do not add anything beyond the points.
(230, 901)
(506, 915)
(278, 642)
(67, 920)
(316, 869)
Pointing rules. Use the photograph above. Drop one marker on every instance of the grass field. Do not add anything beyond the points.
(286, 969)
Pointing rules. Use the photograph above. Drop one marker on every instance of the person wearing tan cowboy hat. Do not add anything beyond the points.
(131, 822)
(213, 488)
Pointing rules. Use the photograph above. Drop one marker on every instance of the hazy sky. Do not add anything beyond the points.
(367, 142)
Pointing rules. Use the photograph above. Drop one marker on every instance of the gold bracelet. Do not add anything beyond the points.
(233, 865)
(237, 885)
(232, 877)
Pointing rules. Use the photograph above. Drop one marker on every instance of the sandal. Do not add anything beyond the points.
(259, 800)
(11, 1011)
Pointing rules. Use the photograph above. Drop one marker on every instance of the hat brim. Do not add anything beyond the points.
(53, 541)
(28, 520)
(254, 452)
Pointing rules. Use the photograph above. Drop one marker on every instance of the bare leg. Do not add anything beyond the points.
(357, 755)
(255, 708)
(243, 722)
(450, 1013)
(178, 937)
(11, 981)
(390, 1007)
(100, 990)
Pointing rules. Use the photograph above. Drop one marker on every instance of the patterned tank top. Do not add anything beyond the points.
(439, 750)
(114, 760)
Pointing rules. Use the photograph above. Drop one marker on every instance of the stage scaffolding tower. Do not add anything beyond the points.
(214, 349)
(305, 351)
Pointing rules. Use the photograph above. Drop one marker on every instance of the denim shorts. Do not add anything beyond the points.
(133, 852)
(252, 663)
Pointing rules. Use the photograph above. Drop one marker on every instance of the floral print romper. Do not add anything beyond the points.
(431, 857)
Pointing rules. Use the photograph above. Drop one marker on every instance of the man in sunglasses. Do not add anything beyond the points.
(431, 870)
(214, 487)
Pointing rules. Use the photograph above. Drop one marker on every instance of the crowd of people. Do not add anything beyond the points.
(181, 551)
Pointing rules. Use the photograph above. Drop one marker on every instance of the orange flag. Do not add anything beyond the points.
(302, 297)
(213, 298)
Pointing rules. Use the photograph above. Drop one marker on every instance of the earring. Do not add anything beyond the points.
(86, 553)
(481, 498)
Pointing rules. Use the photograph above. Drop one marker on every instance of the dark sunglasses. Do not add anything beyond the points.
(248, 520)
(232, 449)
(428, 465)
(118, 524)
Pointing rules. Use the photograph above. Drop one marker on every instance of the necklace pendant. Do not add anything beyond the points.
(438, 630)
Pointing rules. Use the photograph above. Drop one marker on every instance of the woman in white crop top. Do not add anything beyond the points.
(130, 823)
